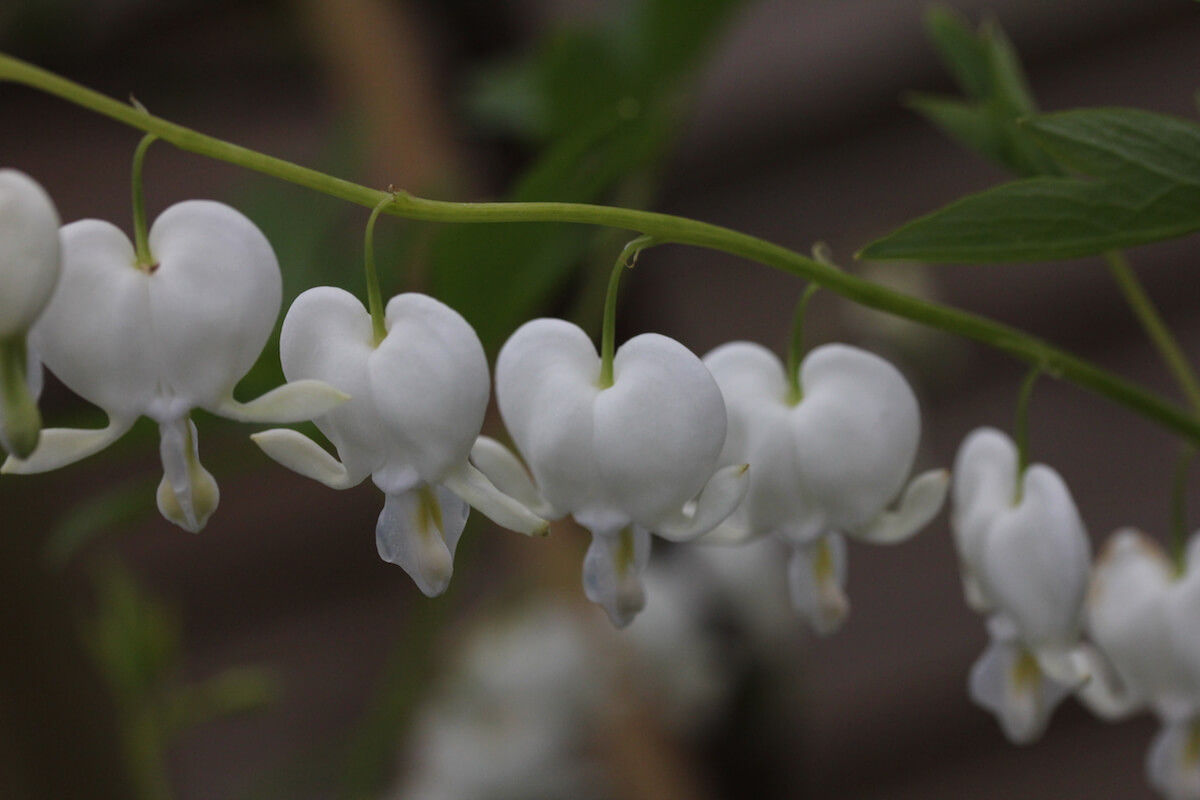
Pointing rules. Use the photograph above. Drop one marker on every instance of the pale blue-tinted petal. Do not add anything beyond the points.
(1173, 761)
(58, 447)
(473, 486)
(419, 531)
(922, 500)
(301, 454)
(1007, 681)
(721, 495)
(213, 297)
(29, 251)
(612, 571)
(187, 494)
(816, 581)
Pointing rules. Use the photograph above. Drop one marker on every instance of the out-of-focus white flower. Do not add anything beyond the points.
(419, 398)
(823, 464)
(163, 339)
(512, 716)
(29, 271)
(1142, 617)
(624, 460)
(1025, 559)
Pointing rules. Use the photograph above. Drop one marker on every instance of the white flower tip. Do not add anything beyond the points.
(418, 531)
(717, 501)
(302, 455)
(190, 509)
(477, 490)
(58, 447)
(612, 573)
(922, 500)
(296, 401)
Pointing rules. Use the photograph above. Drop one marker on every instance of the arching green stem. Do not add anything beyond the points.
(664, 228)
(1021, 429)
(796, 346)
(141, 239)
(374, 296)
(608, 336)
(1179, 532)
(1160, 335)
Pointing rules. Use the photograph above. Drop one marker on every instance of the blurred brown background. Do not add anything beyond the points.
(795, 134)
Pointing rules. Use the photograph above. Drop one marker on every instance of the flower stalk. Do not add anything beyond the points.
(141, 240)
(608, 337)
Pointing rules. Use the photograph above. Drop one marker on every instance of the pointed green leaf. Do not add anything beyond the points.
(1144, 187)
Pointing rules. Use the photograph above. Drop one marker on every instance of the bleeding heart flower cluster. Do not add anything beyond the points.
(656, 441)
(649, 440)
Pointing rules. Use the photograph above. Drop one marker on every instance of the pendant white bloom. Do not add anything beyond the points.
(418, 401)
(29, 271)
(1142, 617)
(162, 340)
(823, 464)
(1025, 558)
(624, 460)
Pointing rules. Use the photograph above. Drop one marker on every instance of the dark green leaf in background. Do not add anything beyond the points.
(1144, 186)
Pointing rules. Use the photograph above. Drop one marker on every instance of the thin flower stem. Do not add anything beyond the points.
(1021, 428)
(796, 346)
(141, 238)
(374, 296)
(1179, 533)
(1160, 335)
(18, 409)
(608, 336)
(664, 228)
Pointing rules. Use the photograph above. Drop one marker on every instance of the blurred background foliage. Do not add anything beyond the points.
(274, 656)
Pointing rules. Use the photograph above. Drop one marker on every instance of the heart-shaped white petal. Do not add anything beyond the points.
(29, 251)
(163, 341)
(636, 451)
(1127, 617)
(1036, 561)
(831, 461)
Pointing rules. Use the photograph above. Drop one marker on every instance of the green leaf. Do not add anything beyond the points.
(1147, 188)
(997, 95)
(962, 51)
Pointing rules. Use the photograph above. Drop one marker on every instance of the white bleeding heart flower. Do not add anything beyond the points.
(418, 402)
(164, 339)
(1026, 561)
(29, 271)
(1141, 613)
(826, 463)
(1134, 587)
(626, 460)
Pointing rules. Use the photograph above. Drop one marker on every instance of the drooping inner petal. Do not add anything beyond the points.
(816, 577)
(419, 531)
(1007, 681)
(612, 572)
(1173, 762)
(187, 494)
